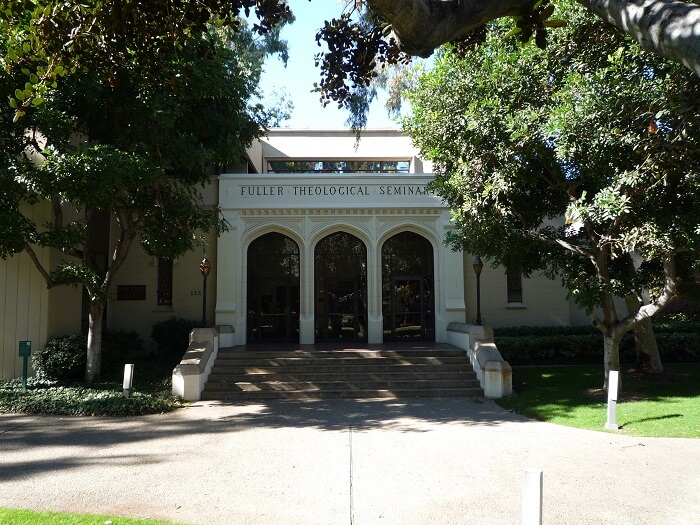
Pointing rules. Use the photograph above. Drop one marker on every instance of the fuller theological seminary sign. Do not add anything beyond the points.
(330, 191)
(310, 190)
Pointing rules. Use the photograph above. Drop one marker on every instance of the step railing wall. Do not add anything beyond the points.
(494, 373)
(192, 373)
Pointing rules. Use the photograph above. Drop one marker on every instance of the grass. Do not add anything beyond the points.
(571, 395)
(28, 517)
(150, 394)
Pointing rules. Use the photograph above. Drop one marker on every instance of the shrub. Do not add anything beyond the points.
(121, 342)
(172, 336)
(559, 347)
(117, 347)
(62, 359)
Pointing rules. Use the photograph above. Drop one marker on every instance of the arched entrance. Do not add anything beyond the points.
(273, 289)
(408, 288)
(340, 270)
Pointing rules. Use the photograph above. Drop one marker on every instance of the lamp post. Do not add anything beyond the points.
(478, 266)
(205, 268)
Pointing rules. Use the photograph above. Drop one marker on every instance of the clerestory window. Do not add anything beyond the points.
(338, 166)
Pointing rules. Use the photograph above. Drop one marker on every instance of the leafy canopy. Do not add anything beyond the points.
(572, 160)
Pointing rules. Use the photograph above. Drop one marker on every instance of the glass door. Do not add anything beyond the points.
(340, 309)
(277, 310)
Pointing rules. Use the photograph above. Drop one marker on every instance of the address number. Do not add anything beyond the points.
(196, 292)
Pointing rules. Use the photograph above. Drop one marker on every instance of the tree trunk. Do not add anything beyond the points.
(648, 357)
(668, 28)
(94, 344)
(611, 358)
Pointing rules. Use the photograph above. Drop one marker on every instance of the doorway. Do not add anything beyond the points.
(273, 290)
(407, 288)
(340, 267)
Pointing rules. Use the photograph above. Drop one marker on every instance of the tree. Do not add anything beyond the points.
(580, 160)
(133, 147)
(53, 38)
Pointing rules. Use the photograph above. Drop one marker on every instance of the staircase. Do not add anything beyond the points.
(382, 371)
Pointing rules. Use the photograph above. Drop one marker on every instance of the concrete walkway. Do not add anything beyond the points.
(410, 461)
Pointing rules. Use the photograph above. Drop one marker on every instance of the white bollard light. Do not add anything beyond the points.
(128, 379)
(613, 382)
(532, 496)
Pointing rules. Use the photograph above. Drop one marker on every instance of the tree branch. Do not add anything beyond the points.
(665, 27)
(39, 266)
(420, 26)
(668, 292)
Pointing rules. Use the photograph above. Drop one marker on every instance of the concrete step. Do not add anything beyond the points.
(338, 361)
(252, 386)
(218, 375)
(237, 353)
(341, 393)
(335, 367)
(291, 373)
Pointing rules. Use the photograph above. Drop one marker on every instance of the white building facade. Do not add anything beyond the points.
(320, 249)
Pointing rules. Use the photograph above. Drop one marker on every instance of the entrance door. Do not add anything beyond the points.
(407, 288)
(410, 312)
(340, 320)
(273, 289)
(340, 275)
(276, 317)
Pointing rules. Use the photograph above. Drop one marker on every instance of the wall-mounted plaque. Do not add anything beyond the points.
(131, 292)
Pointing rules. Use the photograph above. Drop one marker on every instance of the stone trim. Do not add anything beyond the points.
(190, 376)
(494, 373)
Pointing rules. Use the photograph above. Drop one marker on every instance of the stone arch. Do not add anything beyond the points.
(273, 291)
(340, 286)
(408, 272)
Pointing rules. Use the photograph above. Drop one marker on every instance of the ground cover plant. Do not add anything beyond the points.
(28, 517)
(665, 405)
(151, 393)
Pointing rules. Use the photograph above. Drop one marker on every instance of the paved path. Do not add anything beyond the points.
(401, 462)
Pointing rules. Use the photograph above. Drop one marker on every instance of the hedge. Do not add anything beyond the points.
(584, 345)
(172, 336)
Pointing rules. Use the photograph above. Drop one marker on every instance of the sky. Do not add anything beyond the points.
(300, 74)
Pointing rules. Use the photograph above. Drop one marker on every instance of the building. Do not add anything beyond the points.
(328, 240)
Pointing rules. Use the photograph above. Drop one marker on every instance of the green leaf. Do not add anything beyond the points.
(19, 94)
(546, 12)
(555, 22)
(513, 32)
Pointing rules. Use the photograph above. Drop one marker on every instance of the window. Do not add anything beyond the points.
(165, 282)
(515, 287)
(338, 166)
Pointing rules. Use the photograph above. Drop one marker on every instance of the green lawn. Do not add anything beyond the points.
(571, 395)
(28, 517)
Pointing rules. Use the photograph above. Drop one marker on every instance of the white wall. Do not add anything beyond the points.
(142, 269)
(28, 310)
(544, 300)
